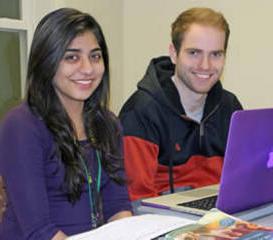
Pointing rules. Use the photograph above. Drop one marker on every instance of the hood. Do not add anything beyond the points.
(156, 82)
(159, 71)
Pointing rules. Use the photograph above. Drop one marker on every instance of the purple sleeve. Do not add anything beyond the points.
(115, 196)
(115, 199)
(22, 157)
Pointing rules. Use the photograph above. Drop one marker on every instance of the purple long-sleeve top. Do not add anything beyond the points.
(37, 205)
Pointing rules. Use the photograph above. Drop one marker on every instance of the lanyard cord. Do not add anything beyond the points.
(94, 216)
(99, 170)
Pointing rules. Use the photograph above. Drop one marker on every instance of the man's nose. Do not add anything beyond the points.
(205, 63)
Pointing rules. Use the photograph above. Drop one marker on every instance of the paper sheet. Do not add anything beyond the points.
(142, 227)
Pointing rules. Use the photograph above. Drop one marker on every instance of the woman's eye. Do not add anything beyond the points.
(96, 57)
(71, 58)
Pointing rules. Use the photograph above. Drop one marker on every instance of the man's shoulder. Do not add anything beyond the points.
(230, 100)
(228, 93)
(138, 101)
(229, 96)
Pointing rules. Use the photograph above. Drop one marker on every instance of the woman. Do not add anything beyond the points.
(60, 150)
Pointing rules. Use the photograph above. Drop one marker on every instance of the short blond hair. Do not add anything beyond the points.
(203, 16)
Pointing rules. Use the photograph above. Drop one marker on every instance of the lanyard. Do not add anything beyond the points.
(93, 193)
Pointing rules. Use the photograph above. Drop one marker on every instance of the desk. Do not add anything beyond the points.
(266, 220)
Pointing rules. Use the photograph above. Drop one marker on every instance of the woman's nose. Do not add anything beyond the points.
(87, 66)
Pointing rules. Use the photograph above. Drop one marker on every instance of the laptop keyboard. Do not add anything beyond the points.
(203, 203)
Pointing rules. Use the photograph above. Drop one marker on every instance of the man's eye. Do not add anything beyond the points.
(217, 54)
(193, 52)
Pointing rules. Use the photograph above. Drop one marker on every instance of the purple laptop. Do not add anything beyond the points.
(247, 177)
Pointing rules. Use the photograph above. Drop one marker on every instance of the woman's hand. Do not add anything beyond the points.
(120, 215)
(59, 236)
(3, 198)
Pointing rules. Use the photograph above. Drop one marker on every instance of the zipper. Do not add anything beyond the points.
(202, 126)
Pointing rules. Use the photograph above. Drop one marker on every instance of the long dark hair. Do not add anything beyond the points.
(51, 38)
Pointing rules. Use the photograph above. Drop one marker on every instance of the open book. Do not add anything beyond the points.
(142, 227)
(217, 225)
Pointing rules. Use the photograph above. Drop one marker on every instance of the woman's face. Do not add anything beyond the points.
(80, 71)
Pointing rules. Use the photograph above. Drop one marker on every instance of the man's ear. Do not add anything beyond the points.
(173, 53)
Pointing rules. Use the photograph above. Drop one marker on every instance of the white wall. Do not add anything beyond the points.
(109, 14)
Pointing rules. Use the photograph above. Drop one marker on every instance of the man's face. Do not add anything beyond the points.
(200, 61)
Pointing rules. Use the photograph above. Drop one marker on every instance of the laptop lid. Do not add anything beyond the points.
(247, 176)
(247, 171)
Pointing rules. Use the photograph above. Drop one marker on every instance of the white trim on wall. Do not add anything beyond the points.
(24, 27)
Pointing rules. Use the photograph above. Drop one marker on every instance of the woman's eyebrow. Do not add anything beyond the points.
(72, 50)
(78, 50)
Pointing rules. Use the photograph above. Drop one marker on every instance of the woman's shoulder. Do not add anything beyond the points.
(21, 119)
(20, 115)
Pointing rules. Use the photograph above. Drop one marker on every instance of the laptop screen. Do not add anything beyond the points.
(247, 177)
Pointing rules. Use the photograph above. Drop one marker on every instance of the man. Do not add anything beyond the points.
(176, 123)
